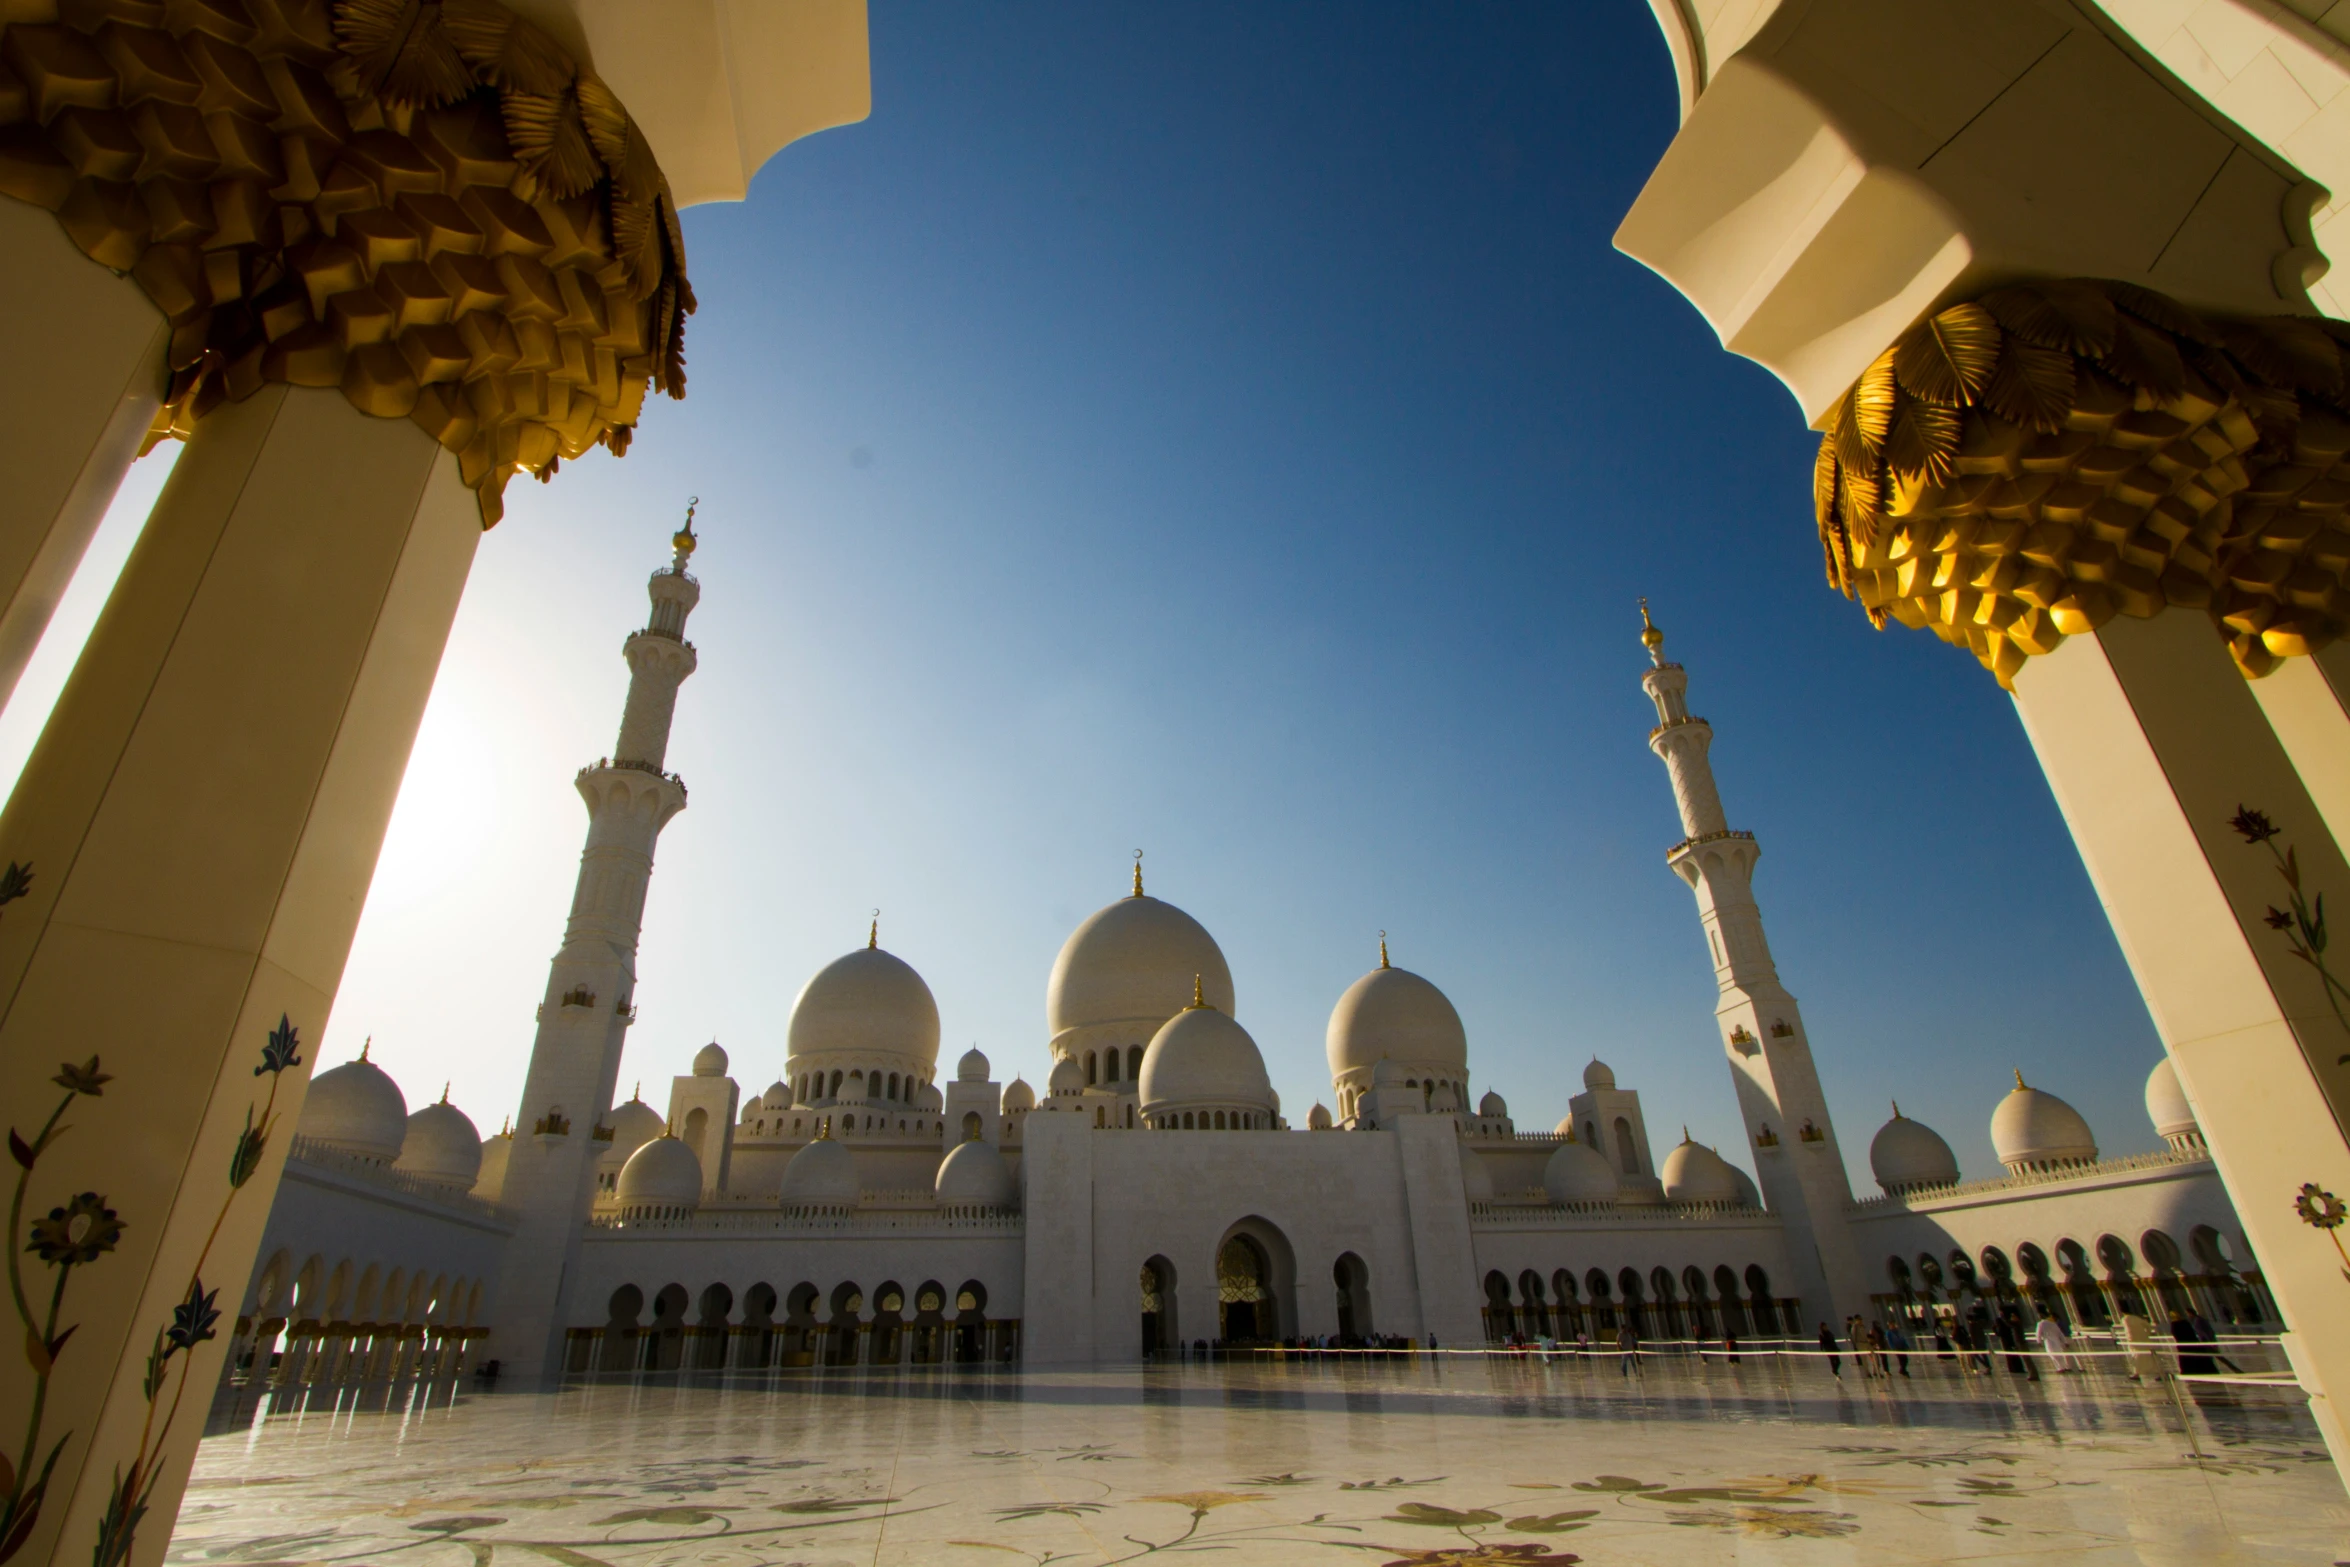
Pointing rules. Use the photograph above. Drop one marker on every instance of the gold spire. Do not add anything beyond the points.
(363, 1044)
(1138, 873)
(2019, 1079)
(1684, 1131)
(444, 1091)
(506, 1128)
(683, 540)
(1651, 637)
(1198, 999)
(637, 1092)
(824, 1128)
(873, 935)
(1896, 1109)
(1383, 949)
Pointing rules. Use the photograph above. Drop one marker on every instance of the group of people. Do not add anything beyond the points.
(1972, 1340)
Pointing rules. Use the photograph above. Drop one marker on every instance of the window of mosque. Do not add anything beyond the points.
(1090, 1065)
(1133, 1063)
(966, 1301)
(1624, 1150)
(1109, 1066)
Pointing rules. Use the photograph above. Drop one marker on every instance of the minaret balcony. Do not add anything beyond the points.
(1687, 844)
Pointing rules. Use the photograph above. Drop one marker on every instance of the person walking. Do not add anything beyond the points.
(1628, 1346)
(1828, 1348)
(2138, 1337)
(1730, 1343)
(1877, 1351)
(2011, 1339)
(1898, 1341)
(2055, 1345)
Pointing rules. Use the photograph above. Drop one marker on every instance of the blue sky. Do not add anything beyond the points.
(1228, 431)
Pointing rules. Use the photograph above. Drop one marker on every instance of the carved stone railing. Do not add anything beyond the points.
(840, 1221)
(2095, 1169)
(325, 1156)
(1541, 1216)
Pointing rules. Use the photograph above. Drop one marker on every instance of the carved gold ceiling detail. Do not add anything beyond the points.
(2024, 467)
(428, 205)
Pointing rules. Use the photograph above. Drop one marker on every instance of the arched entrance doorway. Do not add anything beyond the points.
(1353, 1279)
(1244, 1302)
(1256, 1284)
(1158, 1307)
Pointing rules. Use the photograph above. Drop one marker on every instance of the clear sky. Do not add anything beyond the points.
(1226, 430)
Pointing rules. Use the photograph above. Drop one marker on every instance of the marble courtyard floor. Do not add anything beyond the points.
(1461, 1460)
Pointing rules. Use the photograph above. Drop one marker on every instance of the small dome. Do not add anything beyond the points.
(1493, 1107)
(821, 1175)
(1202, 1058)
(1599, 1075)
(1066, 1077)
(1019, 1096)
(1565, 1128)
(1693, 1172)
(710, 1060)
(973, 1067)
(1133, 962)
(442, 1147)
(633, 1124)
(869, 1002)
(852, 1090)
(357, 1108)
(975, 1174)
(662, 1174)
(2032, 1130)
(1318, 1118)
(1578, 1173)
(928, 1097)
(1392, 1014)
(1907, 1153)
(2166, 1104)
(1476, 1175)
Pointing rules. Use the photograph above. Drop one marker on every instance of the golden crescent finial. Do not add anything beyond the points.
(1651, 637)
(363, 1046)
(873, 934)
(1138, 873)
(2019, 1079)
(1198, 997)
(1383, 949)
(444, 1091)
(683, 540)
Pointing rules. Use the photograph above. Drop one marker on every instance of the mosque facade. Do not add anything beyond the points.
(866, 1207)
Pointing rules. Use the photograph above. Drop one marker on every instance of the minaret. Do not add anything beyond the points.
(591, 985)
(1795, 1153)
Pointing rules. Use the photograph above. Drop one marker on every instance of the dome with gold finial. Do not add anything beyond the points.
(2034, 1130)
(683, 540)
(358, 1109)
(1202, 1063)
(1652, 636)
(1393, 1014)
(1128, 969)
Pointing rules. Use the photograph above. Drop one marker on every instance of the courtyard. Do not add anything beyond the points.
(1420, 1460)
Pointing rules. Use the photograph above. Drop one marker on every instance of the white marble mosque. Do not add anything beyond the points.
(865, 1208)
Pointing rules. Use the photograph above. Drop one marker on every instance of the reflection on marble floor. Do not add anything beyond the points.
(1467, 1460)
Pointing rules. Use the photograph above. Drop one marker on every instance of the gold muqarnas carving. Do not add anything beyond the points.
(428, 205)
(2025, 467)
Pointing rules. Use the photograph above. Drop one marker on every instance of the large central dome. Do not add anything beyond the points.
(1133, 963)
(868, 1002)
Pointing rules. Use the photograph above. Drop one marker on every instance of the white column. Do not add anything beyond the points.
(2151, 742)
(202, 816)
(84, 349)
